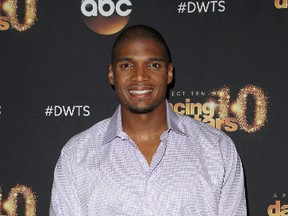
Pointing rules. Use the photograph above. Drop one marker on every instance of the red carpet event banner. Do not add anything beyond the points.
(230, 69)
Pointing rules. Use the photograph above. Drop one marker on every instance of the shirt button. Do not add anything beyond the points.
(150, 212)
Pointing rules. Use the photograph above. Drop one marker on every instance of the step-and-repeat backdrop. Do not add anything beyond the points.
(230, 60)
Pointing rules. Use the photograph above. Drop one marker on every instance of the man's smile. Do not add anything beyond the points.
(140, 92)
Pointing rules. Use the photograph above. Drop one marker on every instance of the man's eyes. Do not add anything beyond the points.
(130, 65)
(126, 65)
(155, 65)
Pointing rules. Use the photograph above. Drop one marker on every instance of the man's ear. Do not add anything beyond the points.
(170, 73)
(111, 75)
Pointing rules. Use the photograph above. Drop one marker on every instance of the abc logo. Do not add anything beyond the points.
(106, 16)
(100, 7)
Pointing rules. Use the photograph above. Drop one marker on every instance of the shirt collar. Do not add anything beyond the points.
(174, 120)
(115, 128)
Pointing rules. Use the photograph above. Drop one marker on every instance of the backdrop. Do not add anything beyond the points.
(230, 72)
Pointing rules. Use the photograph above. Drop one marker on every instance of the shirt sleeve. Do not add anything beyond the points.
(232, 200)
(64, 199)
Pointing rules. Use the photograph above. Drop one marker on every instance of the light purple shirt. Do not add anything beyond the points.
(196, 171)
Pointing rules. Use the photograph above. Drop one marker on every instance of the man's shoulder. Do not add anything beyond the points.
(90, 138)
(203, 132)
(209, 140)
(190, 125)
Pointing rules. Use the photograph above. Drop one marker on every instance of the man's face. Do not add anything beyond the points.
(140, 74)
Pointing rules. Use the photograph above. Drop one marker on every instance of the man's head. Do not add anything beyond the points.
(140, 32)
(140, 70)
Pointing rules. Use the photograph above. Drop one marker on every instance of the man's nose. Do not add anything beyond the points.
(141, 73)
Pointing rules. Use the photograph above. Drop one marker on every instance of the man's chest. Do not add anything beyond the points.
(176, 184)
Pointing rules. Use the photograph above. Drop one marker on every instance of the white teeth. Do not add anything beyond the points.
(139, 92)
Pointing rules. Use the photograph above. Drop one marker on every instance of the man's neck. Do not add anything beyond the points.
(143, 127)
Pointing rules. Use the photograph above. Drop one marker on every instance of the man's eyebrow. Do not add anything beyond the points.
(157, 59)
(123, 59)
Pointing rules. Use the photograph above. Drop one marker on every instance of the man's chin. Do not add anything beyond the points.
(141, 110)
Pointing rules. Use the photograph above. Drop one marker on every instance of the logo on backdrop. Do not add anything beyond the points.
(279, 207)
(281, 4)
(75, 110)
(217, 109)
(10, 19)
(190, 7)
(9, 206)
(106, 17)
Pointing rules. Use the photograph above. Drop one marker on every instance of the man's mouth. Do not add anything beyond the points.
(140, 92)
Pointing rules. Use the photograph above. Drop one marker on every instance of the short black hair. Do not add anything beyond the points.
(140, 32)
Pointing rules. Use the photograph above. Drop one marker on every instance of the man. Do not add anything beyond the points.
(146, 159)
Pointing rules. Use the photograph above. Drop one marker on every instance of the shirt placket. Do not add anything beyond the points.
(148, 171)
(150, 190)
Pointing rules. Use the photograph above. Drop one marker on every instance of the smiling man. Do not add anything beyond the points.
(146, 159)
